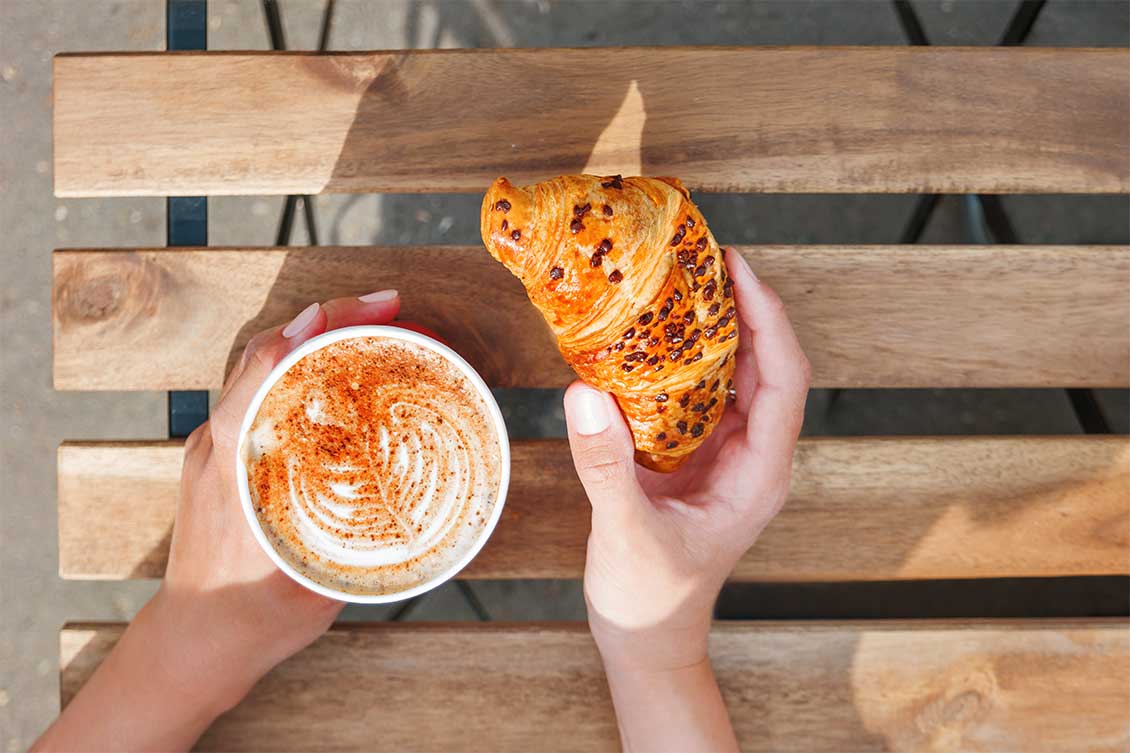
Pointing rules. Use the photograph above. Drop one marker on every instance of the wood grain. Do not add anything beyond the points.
(867, 316)
(860, 509)
(878, 686)
(802, 119)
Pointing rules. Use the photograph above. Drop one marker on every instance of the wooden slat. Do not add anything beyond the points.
(828, 119)
(868, 316)
(860, 509)
(1002, 686)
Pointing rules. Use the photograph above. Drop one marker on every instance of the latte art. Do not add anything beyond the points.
(373, 465)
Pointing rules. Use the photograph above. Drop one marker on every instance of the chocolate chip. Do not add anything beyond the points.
(616, 181)
(661, 408)
(712, 403)
(672, 445)
(685, 400)
(713, 310)
(661, 436)
(651, 343)
(596, 260)
(639, 356)
(646, 318)
(627, 366)
(628, 333)
(700, 270)
(708, 290)
(516, 234)
(661, 397)
(607, 211)
(505, 225)
(690, 221)
(556, 273)
(682, 427)
(653, 360)
(502, 205)
(708, 261)
(700, 244)
(680, 233)
(616, 277)
(714, 386)
(689, 316)
(605, 246)
(576, 226)
(579, 211)
(696, 430)
(678, 296)
(618, 347)
(710, 332)
(697, 356)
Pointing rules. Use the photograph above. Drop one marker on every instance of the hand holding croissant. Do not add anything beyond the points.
(635, 288)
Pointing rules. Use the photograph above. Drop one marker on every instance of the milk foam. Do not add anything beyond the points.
(373, 465)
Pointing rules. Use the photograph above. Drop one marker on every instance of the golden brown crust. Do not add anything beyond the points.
(632, 283)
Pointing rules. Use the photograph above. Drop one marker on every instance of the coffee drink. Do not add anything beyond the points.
(373, 465)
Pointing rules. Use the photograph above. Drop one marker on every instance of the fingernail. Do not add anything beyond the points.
(741, 262)
(590, 411)
(302, 321)
(379, 297)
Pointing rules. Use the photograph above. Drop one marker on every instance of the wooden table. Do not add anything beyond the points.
(888, 120)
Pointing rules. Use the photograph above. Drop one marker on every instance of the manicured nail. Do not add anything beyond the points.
(590, 411)
(302, 321)
(379, 297)
(741, 262)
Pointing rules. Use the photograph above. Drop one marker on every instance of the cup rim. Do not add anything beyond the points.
(388, 332)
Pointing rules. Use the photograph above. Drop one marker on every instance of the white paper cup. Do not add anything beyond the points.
(387, 333)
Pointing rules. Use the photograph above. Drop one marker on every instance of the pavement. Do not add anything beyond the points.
(36, 602)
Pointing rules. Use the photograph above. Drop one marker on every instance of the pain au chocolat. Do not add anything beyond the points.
(633, 285)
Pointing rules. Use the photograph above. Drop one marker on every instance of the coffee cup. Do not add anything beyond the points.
(373, 464)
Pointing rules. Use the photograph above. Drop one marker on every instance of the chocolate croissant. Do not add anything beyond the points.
(634, 286)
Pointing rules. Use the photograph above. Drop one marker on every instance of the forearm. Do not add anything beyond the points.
(136, 700)
(670, 710)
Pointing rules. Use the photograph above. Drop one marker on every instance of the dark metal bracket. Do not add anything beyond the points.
(186, 216)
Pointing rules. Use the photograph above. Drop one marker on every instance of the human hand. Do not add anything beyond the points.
(232, 614)
(224, 614)
(662, 544)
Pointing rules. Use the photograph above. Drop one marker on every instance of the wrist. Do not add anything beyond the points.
(202, 668)
(660, 648)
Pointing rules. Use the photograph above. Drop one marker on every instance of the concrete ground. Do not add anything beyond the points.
(35, 602)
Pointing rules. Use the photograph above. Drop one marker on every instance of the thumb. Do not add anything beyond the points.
(603, 452)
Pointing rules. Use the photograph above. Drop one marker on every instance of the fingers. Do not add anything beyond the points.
(745, 362)
(776, 374)
(264, 351)
(376, 308)
(602, 447)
